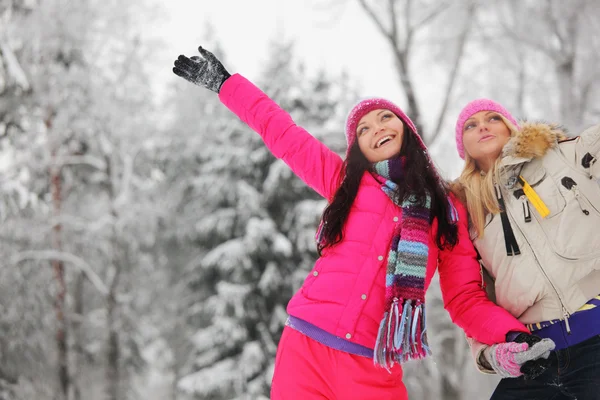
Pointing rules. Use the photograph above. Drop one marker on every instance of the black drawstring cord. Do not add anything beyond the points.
(512, 248)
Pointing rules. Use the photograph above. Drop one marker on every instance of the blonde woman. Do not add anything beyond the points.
(534, 205)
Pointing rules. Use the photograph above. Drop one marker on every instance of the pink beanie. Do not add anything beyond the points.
(366, 106)
(473, 108)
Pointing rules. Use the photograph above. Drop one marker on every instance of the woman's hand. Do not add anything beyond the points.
(511, 360)
(206, 71)
(534, 367)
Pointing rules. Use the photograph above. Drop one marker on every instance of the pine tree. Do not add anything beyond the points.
(256, 233)
(77, 108)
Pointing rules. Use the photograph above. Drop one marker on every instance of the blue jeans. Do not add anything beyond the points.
(574, 373)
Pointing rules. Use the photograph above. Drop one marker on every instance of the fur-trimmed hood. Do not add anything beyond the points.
(533, 140)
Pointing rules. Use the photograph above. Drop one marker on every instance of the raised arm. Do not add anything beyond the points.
(318, 166)
(588, 149)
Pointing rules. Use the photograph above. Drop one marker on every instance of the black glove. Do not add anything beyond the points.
(526, 338)
(533, 368)
(207, 71)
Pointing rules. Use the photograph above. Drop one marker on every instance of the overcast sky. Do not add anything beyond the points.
(339, 37)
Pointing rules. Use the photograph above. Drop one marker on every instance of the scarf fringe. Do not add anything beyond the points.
(402, 334)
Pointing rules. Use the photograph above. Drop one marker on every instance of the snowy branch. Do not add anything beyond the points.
(436, 11)
(13, 66)
(553, 23)
(378, 23)
(81, 223)
(87, 159)
(393, 21)
(125, 180)
(48, 255)
(462, 41)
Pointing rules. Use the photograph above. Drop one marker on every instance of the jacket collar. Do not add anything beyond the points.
(533, 141)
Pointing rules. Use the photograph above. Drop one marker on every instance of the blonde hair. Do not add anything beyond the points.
(480, 194)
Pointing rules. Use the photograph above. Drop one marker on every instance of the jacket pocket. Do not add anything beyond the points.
(572, 226)
(548, 192)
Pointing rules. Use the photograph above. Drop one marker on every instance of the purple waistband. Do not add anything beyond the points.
(328, 339)
(583, 325)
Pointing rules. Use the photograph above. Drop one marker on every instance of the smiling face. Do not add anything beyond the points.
(484, 136)
(379, 134)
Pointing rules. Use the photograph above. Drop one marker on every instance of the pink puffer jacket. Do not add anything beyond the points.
(344, 293)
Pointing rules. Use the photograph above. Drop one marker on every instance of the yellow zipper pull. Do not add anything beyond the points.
(534, 199)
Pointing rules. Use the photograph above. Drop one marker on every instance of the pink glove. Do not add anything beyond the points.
(503, 358)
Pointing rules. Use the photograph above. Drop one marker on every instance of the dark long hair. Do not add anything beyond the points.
(420, 178)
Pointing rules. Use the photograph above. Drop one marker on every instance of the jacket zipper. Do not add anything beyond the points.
(571, 185)
(566, 314)
(520, 195)
(588, 162)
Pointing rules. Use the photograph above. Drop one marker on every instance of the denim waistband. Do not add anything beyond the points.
(328, 339)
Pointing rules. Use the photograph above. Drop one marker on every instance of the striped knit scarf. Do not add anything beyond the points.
(402, 334)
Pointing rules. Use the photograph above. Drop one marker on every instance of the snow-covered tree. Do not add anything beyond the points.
(254, 224)
(76, 111)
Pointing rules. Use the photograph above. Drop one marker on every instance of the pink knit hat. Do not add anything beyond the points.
(473, 108)
(366, 106)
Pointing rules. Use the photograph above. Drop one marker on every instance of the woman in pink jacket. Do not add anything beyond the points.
(389, 222)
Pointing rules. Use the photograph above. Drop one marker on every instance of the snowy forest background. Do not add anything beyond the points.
(149, 244)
